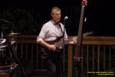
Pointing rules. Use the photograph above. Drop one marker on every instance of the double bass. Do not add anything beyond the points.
(80, 32)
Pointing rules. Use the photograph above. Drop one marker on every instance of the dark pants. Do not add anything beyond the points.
(54, 62)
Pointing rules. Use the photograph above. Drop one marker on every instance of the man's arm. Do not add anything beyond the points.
(41, 36)
(47, 45)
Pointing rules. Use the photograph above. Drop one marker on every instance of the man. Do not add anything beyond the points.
(52, 37)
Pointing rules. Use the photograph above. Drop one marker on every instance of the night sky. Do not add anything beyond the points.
(27, 16)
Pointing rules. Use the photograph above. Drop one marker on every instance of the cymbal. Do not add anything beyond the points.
(13, 34)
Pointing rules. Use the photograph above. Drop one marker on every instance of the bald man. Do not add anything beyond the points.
(50, 38)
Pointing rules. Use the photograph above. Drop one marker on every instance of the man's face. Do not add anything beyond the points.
(56, 16)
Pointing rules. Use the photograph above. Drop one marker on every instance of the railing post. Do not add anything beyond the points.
(70, 47)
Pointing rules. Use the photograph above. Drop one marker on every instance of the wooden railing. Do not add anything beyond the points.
(97, 56)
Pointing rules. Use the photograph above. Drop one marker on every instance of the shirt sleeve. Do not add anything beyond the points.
(42, 33)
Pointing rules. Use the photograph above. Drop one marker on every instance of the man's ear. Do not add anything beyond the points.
(51, 14)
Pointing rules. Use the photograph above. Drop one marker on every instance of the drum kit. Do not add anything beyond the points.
(5, 45)
(6, 41)
(8, 60)
(7, 63)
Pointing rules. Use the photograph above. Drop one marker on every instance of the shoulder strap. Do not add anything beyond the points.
(61, 29)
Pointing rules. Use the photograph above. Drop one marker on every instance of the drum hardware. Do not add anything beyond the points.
(7, 46)
(13, 48)
(13, 34)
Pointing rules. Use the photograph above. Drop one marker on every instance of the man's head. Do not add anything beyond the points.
(56, 14)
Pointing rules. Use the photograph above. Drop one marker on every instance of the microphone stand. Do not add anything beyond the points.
(64, 49)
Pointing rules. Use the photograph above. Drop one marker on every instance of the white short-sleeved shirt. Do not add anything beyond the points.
(50, 31)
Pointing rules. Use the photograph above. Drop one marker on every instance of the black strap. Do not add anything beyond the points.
(61, 29)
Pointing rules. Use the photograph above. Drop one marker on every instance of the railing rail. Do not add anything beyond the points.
(99, 40)
(97, 55)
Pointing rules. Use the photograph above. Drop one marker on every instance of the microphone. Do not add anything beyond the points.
(66, 18)
(85, 19)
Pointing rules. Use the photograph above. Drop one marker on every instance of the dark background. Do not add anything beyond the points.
(27, 16)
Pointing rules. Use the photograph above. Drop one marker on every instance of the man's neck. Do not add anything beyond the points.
(55, 23)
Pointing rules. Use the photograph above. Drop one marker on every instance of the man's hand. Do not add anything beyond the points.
(52, 47)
